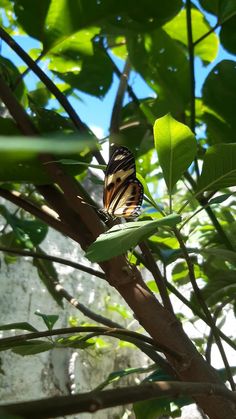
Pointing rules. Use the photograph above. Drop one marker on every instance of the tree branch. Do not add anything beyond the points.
(94, 401)
(117, 107)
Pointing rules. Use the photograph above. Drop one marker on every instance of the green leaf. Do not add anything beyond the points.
(152, 409)
(122, 237)
(141, 15)
(221, 285)
(29, 232)
(120, 309)
(228, 35)
(163, 64)
(180, 273)
(224, 9)
(49, 319)
(219, 168)
(33, 347)
(220, 198)
(176, 148)
(75, 341)
(147, 192)
(95, 76)
(152, 286)
(219, 97)
(219, 253)
(18, 326)
(11, 75)
(31, 15)
(207, 49)
(40, 95)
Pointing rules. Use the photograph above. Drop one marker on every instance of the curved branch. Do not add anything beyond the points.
(119, 333)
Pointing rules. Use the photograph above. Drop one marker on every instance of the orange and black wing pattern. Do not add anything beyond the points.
(123, 193)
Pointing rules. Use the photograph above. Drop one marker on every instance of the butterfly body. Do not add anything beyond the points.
(123, 193)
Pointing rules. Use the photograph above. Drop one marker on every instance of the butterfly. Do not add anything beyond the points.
(123, 193)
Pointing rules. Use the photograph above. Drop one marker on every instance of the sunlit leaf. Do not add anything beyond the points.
(177, 28)
(176, 148)
(122, 237)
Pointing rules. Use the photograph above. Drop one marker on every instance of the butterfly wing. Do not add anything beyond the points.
(123, 193)
(129, 200)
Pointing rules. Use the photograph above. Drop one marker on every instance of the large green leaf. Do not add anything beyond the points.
(228, 35)
(163, 63)
(31, 15)
(218, 131)
(43, 19)
(77, 15)
(67, 55)
(122, 237)
(93, 74)
(219, 168)
(176, 148)
(219, 96)
(207, 49)
(224, 9)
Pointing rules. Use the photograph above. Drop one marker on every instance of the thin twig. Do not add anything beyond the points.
(52, 258)
(119, 74)
(13, 341)
(211, 334)
(117, 107)
(160, 281)
(204, 307)
(206, 34)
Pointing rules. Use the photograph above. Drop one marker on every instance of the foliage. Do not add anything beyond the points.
(185, 150)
